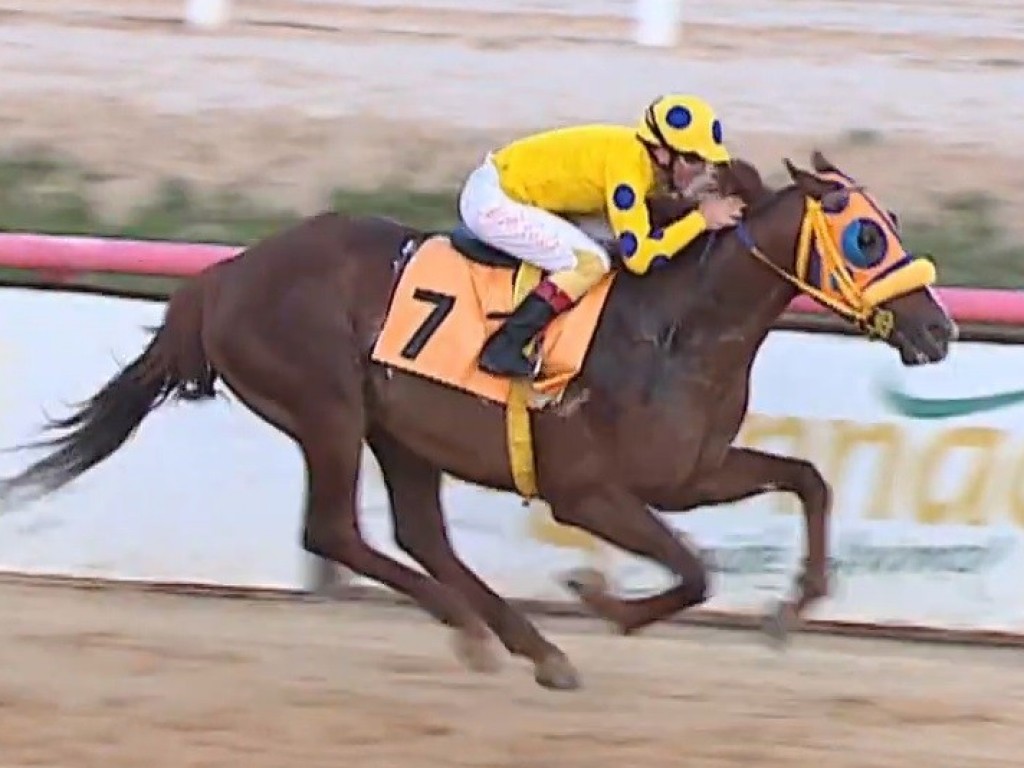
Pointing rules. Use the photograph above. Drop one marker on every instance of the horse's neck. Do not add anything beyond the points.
(734, 299)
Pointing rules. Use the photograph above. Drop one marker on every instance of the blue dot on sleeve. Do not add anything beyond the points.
(624, 197)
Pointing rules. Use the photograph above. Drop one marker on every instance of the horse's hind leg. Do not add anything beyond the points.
(414, 491)
(332, 446)
(618, 517)
(298, 377)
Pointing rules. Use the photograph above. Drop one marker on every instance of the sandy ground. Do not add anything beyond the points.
(298, 96)
(115, 679)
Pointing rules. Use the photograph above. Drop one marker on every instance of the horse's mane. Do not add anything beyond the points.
(744, 180)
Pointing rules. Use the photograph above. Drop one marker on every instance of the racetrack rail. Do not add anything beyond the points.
(373, 595)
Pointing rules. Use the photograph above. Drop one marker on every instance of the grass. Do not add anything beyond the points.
(45, 194)
(968, 244)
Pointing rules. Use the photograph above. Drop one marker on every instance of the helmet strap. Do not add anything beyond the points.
(653, 127)
(652, 153)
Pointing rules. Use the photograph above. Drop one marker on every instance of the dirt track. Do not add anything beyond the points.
(295, 98)
(115, 679)
(118, 679)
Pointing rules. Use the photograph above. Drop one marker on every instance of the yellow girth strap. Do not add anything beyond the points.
(518, 432)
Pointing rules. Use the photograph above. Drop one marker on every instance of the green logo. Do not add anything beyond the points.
(946, 407)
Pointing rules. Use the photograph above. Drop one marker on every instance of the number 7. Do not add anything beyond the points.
(443, 305)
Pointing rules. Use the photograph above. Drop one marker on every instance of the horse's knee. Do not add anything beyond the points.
(810, 486)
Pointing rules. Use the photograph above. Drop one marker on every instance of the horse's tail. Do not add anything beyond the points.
(174, 363)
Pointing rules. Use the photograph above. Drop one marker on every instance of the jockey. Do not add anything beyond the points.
(512, 201)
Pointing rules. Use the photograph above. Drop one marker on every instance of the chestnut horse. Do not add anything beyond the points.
(288, 324)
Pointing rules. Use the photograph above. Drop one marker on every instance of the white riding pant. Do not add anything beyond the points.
(524, 231)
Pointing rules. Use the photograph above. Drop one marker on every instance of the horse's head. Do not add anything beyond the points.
(850, 258)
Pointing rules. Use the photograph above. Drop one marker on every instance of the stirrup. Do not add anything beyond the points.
(496, 369)
(504, 373)
(536, 365)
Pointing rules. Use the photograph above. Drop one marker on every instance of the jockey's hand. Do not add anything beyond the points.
(721, 212)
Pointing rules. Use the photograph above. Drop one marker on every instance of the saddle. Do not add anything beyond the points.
(476, 250)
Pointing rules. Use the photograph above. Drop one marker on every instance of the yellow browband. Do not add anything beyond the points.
(846, 298)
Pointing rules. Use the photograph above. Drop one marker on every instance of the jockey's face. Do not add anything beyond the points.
(686, 170)
(683, 169)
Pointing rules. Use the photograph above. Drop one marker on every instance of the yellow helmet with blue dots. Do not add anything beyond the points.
(684, 124)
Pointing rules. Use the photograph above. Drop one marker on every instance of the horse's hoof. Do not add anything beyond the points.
(776, 625)
(325, 593)
(476, 651)
(585, 581)
(327, 581)
(557, 673)
(591, 588)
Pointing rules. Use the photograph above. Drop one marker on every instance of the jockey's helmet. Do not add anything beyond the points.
(683, 124)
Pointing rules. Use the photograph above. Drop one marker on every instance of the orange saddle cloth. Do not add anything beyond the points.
(446, 305)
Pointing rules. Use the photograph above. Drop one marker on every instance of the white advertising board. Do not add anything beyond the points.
(928, 511)
(204, 493)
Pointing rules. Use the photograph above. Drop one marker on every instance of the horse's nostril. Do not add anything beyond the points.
(944, 332)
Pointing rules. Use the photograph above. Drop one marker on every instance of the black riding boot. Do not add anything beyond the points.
(503, 355)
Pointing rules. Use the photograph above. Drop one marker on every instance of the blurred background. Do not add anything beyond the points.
(121, 118)
(116, 117)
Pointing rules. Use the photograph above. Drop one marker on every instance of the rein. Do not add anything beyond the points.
(851, 304)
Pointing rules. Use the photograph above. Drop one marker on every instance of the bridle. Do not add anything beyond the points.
(852, 303)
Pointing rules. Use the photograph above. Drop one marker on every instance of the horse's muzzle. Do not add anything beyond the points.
(926, 343)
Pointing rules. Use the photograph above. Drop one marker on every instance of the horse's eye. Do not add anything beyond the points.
(867, 238)
(864, 243)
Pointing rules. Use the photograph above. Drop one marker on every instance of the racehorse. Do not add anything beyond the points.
(289, 324)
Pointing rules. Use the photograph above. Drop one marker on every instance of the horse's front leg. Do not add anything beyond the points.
(746, 472)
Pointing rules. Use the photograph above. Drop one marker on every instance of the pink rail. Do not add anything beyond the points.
(59, 256)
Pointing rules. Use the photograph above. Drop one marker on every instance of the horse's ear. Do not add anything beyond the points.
(821, 164)
(792, 170)
(808, 183)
